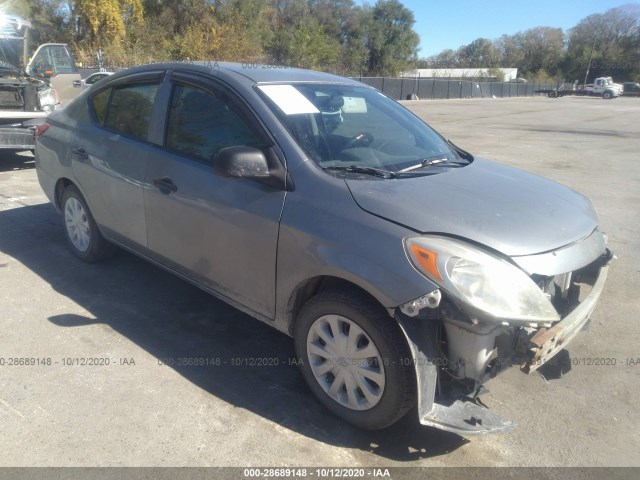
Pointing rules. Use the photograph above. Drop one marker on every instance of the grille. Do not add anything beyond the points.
(11, 99)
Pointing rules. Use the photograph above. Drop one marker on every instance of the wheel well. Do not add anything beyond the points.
(312, 287)
(61, 185)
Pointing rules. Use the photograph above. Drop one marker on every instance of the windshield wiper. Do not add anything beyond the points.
(427, 162)
(376, 172)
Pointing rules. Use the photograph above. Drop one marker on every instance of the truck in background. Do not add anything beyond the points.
(603, 87)
(55, 62)
(28, 90)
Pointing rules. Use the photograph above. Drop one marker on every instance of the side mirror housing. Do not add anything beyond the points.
(241, 162)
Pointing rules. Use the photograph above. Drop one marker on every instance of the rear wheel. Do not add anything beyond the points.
(552, 94)
(81, 231)
(354, 359)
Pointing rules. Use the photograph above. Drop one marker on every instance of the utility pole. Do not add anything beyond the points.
(589, 64)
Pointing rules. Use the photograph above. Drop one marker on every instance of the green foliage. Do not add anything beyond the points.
(391, 41)
(341, 36)
(309, 46)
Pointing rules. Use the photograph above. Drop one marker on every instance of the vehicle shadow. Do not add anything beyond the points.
(16, 160)
(172, 319)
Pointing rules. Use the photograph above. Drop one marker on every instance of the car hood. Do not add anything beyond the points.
(504, 208)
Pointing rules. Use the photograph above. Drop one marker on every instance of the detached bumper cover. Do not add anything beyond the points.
(459, 416)
(546, 343)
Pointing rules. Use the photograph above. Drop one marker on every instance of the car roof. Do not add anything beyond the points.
(245, 72)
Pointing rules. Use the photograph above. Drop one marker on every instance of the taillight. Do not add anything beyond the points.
(40, 129)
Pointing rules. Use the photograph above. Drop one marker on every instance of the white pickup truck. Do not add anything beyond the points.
(30, 91)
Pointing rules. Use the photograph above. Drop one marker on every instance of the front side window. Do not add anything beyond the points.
(201, 123)
(129, 110)
(344, 126)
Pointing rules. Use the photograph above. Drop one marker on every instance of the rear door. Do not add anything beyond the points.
(222, 232)
(110, 157)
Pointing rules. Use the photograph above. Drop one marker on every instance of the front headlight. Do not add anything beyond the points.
(479, 279)
(47, 99)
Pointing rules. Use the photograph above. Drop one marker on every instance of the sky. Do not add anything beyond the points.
(444, 24)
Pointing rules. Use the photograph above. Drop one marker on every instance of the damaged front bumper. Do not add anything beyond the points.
(548, 342)
(465, 356)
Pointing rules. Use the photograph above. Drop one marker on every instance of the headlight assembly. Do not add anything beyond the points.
(48, 99)
(480, 280)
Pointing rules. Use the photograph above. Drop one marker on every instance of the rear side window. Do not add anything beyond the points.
(130, 108)
(201, 123)
(99, 103)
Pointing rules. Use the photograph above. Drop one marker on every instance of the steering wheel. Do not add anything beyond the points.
(363, 139)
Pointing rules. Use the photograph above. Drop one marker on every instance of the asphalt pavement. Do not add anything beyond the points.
(107, 387)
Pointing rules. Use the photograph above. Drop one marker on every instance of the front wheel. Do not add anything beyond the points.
(354, 359)
(607, 95)
(81, 231)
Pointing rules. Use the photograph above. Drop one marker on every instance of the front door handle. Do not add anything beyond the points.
(166, 185)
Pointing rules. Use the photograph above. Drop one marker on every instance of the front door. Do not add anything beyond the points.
(222, 232)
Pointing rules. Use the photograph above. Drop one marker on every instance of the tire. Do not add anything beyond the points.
(607, 95)
(552, 94)
(375, 366)
(80, 229)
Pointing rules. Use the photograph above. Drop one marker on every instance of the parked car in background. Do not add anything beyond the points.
(406, 269)
(93, 78)
(631, 89)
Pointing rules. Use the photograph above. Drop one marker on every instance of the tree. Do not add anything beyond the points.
(48, 18)
(612, 41)
(309, 47)
(445, 59)
(541, 48)
(391, 41)
(477, 54)
(106, 21)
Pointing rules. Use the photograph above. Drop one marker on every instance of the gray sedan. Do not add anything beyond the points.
(407, 270)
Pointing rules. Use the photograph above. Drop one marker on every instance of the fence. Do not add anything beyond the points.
(432, 88)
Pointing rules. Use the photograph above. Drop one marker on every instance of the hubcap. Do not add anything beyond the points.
(77, 224)
(345, 362)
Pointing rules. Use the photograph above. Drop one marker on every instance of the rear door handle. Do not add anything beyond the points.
(165, 184)
(81, 153)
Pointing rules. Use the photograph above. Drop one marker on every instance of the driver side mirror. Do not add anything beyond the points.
(241, 162)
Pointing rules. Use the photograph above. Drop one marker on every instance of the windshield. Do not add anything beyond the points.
(354, 128)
